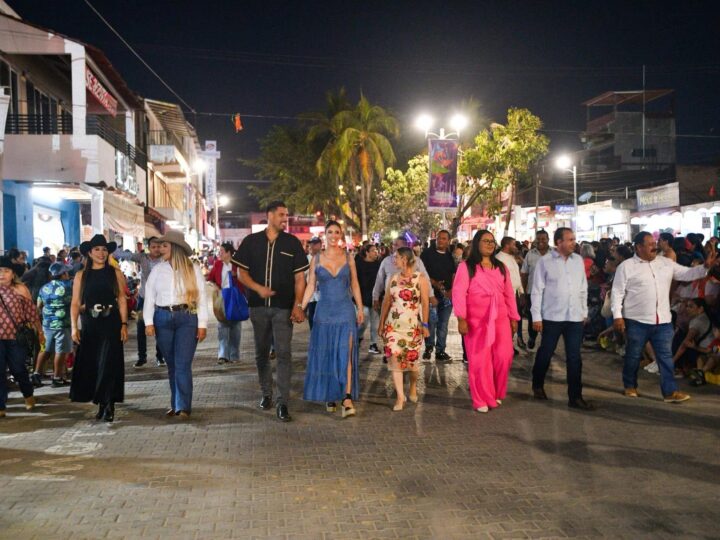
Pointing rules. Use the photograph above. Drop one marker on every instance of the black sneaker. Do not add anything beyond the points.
(36, 380)
(140, 363)
(222, 361)
(159, 362)
(373, 349)
(58, 383)
(442, 357)
(428, 353)
(530, 344)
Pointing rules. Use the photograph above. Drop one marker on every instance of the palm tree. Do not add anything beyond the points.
(359, 151)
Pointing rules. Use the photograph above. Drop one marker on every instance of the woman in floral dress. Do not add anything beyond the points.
(404, 323)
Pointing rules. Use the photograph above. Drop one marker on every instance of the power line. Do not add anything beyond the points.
(138, 55)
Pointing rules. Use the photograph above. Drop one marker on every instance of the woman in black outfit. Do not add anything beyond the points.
(99, 295)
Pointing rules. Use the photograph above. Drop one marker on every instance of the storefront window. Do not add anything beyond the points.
(125, 173)
(47, 230)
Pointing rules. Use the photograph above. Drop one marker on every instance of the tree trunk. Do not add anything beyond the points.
(363, 211)
(510, 207)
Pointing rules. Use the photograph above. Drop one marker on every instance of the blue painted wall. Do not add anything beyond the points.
(21, 224)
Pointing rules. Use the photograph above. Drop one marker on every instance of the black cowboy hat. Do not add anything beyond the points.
(97, 241)
(6, 262)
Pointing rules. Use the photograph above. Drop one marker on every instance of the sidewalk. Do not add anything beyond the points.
(632, 469)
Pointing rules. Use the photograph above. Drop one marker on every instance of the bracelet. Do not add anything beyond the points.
(426, 325)
(123, 323)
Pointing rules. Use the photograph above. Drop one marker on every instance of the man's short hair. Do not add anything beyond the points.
(402, 239)
(443, 231)
(274, 205)
(667, 237)
(542, 231)
(505, 241)
(560, 234)
(640, 238)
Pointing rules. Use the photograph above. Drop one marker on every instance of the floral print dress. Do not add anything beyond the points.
(403, 329)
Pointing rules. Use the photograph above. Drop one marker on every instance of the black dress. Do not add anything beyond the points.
(99, 370)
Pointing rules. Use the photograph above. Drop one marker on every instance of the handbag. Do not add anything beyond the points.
(235, 303)
(219, 306)
(25, 335)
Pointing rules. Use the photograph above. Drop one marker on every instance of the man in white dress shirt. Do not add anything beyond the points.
(506, 255)
(559, 308)
(640, 304)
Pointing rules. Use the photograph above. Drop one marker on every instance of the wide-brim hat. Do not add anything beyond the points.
(58, 269)
(97, 241)
(177, 238)
(6, 262)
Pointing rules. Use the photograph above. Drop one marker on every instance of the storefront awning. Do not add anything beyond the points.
(122, 215)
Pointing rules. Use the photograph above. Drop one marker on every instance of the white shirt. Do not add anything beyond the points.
(641, 289)
(388, 269)
(528, 265)
(227, 269)
(160, 290)
(559, 291)
(512, 265)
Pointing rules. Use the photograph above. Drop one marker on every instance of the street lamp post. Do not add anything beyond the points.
(564, 163)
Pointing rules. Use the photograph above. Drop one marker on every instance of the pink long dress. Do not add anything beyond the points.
(487, 302)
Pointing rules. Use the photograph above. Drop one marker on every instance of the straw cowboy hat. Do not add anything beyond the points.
(177, 238)
(97, 241)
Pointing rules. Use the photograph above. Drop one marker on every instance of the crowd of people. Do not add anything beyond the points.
(654, 301)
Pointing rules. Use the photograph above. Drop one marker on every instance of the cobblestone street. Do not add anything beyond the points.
(631, 469)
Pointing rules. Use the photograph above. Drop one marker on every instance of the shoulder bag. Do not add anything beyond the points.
(25, 334)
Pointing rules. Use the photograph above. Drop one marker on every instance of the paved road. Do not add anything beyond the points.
(631, 469)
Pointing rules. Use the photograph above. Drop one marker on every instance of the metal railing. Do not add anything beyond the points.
(39, 124)
(96, 125)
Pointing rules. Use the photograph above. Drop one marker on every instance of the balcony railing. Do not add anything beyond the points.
(39, 124)
(96, 125)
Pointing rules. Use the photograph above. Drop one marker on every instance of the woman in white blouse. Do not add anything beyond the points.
(176, 303)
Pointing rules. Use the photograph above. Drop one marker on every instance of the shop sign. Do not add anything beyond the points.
(564, 209)
(99, 92)
(706, 222)
(658, 198)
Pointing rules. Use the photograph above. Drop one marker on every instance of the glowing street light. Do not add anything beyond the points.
(200, 166)
(424, 122)
(565, 163)
(223, 200)
(458, 122)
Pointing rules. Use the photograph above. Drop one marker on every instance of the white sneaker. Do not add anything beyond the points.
(483, 409)
(652, 368)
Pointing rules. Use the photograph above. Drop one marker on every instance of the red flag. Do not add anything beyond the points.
(237, 123)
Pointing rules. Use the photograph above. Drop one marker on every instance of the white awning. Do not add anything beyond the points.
(122, 215)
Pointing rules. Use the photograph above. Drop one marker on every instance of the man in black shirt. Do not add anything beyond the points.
(441, 268)
(368, 266)
(272, 266)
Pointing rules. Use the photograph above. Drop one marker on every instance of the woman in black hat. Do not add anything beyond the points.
(99, 296)
(16, 309)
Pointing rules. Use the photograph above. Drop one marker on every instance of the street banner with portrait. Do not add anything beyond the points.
(442, 189)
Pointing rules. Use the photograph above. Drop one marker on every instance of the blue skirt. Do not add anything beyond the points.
(328, 357)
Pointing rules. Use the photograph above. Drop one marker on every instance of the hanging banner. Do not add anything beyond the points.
(211, 156)
(667, 196)
(442, 189)
(99, 92)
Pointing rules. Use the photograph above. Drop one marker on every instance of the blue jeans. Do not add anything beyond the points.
(439, 318)
(12, 357)
(176, 335)
(229, 334)
(660, 337)
(372, 319)
(572, 333)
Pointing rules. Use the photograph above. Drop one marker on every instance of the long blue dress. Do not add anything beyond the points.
(334, 331)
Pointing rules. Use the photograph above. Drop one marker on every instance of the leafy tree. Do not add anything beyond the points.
(501, 157)
(358, 153)
(401, 202)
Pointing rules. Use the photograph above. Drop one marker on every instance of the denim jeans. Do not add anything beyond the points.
(141, 337)
(176, 335)
(229, 335)
(12, 358)
(439, 318)
(660, 337)
(372, 319)
(572, 333)
(273, 326)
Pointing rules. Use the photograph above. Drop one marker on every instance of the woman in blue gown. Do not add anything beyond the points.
(332, 367)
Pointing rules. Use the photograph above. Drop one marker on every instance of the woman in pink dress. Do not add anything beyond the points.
(484, 303)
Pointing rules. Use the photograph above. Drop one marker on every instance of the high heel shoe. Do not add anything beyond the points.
(109, 412)
(412, 398)
(397, 407)
(347, 411)
(330, 406)
(101, 411)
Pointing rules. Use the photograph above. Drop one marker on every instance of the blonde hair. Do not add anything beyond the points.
(183, 267)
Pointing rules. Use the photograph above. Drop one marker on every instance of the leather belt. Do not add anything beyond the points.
(177, 307)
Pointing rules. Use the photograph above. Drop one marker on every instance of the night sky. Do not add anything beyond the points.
(278, 59)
